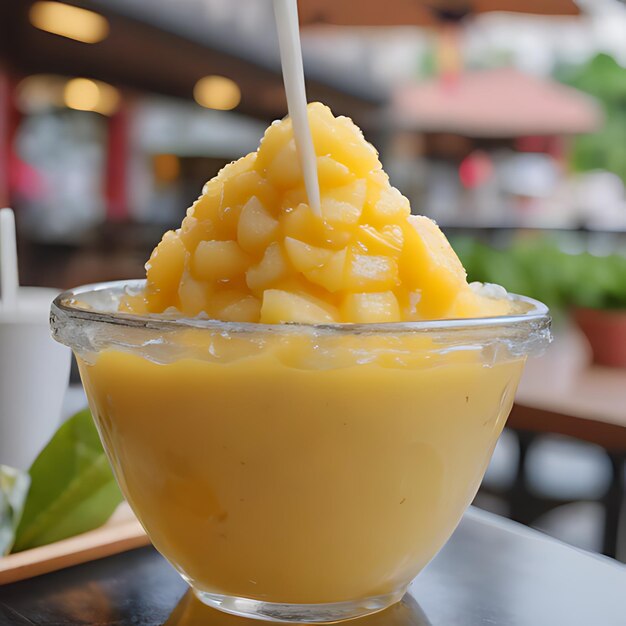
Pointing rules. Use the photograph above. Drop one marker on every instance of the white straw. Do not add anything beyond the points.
(8, 260)
(286, 13)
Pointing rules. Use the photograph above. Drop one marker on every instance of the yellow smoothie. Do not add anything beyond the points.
(273, 477)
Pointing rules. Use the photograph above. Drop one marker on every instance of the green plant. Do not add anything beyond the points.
(538, 268)
(605, 79)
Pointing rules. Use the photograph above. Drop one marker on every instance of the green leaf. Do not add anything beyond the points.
(72, 487)
(538, 268)
(13, 489)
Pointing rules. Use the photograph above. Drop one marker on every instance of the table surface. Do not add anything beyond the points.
(492, 572)
(562, 392)
(564, 380)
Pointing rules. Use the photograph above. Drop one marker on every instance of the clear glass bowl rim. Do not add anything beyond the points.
(535, 320)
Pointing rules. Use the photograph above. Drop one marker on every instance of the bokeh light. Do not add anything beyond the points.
(217, 92)
(84, 94)
(69, 21)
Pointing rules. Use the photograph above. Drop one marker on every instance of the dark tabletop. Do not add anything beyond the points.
(492, 572)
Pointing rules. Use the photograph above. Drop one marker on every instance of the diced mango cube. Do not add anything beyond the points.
(303, 224)
(236, 192)
(227, 223)
(248, 309)
(389, 206)
(336, 238)
(365, 308)
(429, 263)
(166, 263)
(239, 189)
(305, 257)
(276, 137)
(272, 268)
(331, 173)
(331, 275)
(193, 231)
(393, 236)
(219, 260)
(280, 307)
(256, 228)
(344, 205)
(233, 305)
(284, 170)
(376, 180)
(297, 283)
(193, 295)
(342, 140)
(163, 273)
(136, 304)
(207, 206)
(293, 198)
(470, 304)
(370, 272)
(236, 168)
(386, 241)
(339, 212)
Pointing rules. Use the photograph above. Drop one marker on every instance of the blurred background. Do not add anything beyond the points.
(504, 120)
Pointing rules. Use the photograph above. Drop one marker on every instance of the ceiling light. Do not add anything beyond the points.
(84, 94)
(217, 92)
(69, 21)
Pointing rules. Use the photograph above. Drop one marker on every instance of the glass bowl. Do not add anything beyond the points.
(296, 472)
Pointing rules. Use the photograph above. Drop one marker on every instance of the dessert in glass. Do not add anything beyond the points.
(299, 408)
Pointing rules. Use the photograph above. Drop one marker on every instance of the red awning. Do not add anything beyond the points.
(495, 103)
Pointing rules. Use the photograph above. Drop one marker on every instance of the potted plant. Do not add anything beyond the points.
(599, 307)
(591, 288)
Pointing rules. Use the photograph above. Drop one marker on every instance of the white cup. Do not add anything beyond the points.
(34, 372)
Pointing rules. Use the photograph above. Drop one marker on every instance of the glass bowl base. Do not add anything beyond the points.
(299, 613)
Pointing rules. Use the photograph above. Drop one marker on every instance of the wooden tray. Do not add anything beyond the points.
(122, 532)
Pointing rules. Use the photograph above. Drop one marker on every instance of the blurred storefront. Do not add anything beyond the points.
(112, 118)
